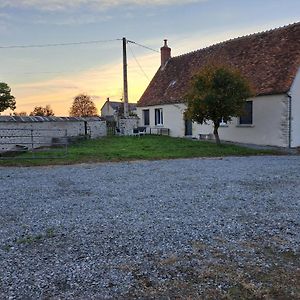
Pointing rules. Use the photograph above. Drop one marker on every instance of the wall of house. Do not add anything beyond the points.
(295, 110)
(37, 134)
(172, 115)
(270, 122)
(107, 110)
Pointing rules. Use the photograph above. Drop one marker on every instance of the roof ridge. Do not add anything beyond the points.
(269, 59)
(239, 38)
(121, 102)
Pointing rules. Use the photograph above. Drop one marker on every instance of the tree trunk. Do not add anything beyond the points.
(216, 134)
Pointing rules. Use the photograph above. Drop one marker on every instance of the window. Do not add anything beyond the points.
(223, 123)
(159, 116)
(247, 117)
(146, 117)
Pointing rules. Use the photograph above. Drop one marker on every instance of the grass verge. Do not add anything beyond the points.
(113, 149)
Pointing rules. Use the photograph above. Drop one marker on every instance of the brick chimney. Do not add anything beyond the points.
(165, 53)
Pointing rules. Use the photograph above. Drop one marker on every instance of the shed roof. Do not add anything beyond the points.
(27, 119)
(269, 60)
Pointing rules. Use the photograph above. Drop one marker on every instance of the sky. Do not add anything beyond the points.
(54, 75)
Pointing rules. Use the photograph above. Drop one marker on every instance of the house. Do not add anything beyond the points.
(111, 110)
(270, 60)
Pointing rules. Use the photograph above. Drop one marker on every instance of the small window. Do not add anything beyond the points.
(159, 116)
(247, 117)
(146, 117)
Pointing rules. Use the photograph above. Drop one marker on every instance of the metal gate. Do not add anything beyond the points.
(33, 143)
(111, 127)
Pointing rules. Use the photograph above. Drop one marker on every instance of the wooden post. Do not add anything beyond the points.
(125, 78)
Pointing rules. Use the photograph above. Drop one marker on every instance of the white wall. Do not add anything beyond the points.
(270, 122)
(295, 94)
(13, 133)
(97, 129)
(107, 110)
(172, 115)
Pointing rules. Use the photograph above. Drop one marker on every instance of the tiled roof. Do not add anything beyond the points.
(27, 119)
(115, 105)
(269, 60)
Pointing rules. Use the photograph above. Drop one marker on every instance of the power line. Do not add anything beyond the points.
(57, 44)
(138, 62)
(72, 44)
(65, 72)
(146, 47)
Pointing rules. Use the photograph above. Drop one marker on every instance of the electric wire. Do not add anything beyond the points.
(57, 44)
(76, 44)
(143, 46)
(138, 62)
(73, 44)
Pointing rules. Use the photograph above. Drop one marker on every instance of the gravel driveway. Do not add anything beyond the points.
(199, 228)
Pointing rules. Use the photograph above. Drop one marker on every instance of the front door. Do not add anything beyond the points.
(188, 127)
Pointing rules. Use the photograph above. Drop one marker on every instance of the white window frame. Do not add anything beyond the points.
(158, 117)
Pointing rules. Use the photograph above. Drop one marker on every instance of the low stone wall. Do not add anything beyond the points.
(127, 125)
(36, 132)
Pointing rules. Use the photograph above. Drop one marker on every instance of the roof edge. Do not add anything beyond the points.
(182, 102)
(237, 39)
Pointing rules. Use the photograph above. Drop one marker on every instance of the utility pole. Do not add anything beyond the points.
(125, 78)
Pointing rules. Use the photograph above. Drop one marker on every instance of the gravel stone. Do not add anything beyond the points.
(97, 231)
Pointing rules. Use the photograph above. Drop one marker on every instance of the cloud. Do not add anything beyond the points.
(73, 19)
(57, 5)
(4, 16)
(4, 22)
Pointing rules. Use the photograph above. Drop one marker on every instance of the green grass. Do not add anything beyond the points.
(133, 148)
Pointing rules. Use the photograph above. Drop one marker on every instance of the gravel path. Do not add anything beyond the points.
(191, 227)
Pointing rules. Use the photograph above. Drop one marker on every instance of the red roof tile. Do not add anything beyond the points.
(270, 60)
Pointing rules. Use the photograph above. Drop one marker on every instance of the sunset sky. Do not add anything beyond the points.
(54, 75)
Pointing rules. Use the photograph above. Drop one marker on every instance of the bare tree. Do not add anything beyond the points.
(83, 106)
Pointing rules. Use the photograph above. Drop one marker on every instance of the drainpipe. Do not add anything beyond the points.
(290, 118)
